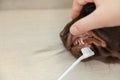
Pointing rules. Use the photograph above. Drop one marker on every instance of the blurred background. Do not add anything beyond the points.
(34, 4)
(30, 46)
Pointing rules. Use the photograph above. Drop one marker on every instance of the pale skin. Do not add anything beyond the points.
(107, 14)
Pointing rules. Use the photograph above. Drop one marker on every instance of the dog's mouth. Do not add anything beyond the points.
(87, 39)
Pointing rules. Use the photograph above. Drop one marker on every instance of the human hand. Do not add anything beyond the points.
(107, 14)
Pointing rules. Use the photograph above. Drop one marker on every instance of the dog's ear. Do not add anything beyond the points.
(108, 54)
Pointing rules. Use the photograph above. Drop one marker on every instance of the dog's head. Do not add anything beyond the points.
(104, 42)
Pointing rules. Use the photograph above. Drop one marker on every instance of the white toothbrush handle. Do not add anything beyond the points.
(87, 52)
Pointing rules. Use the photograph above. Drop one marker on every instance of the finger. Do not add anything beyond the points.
(77, 7)
(92, 21)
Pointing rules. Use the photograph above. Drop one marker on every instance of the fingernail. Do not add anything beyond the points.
(74, 30)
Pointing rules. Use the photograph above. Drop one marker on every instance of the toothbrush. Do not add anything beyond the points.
(87, 52)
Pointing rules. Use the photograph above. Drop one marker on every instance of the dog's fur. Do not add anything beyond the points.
(111, 36)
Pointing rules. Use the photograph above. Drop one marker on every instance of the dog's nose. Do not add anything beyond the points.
(61, 33)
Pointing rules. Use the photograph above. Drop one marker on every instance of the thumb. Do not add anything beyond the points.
(92, 21)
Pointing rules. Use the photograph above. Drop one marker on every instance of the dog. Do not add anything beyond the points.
(105, 42)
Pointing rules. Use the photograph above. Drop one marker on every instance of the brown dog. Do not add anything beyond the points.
(104, 42)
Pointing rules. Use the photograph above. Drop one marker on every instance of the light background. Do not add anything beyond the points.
(30, 46)
(35, 4)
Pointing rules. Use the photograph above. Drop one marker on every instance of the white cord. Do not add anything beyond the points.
(87, 52)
